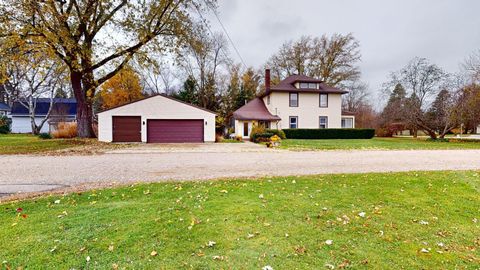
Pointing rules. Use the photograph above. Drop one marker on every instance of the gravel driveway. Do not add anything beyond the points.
(208, 161)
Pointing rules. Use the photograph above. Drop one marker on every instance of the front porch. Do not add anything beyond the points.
(243, 128)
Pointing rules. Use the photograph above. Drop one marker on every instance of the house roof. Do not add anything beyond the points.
(255, 110)
(65, 106)
(4, 107)
(165, 96)
(288, 85)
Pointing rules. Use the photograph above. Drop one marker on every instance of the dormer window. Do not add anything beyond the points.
(304, 85)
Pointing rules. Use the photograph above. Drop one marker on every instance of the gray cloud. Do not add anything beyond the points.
(390, 32)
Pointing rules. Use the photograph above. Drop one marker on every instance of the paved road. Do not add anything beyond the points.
(41, 173)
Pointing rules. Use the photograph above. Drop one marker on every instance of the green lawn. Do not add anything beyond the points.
(29, 144)
(424, 220)
(376, 143)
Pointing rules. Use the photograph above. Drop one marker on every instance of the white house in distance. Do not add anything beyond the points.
(296, 102)
(156, 119)
(63, 110)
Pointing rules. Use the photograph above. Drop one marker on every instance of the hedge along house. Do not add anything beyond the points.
(157, 119)
(296, 102)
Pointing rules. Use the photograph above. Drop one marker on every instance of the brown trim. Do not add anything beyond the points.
(289, 122)
(163, 95)
(290, 99)
(320, 100)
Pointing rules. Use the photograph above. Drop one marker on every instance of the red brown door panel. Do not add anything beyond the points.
(174, 131)
(127, 128)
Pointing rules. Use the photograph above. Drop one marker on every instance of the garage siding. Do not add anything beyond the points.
(158, 108)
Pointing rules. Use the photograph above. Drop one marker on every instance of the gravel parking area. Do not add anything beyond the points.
(196, 162)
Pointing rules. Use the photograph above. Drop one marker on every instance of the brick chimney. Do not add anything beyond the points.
(267, 80)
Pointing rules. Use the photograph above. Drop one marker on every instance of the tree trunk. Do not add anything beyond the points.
(84, 107)
(35, 129)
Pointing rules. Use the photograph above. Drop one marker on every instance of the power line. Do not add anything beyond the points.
(226, 33)
(211, 32)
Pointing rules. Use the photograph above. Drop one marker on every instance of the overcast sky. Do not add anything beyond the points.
(390, 32)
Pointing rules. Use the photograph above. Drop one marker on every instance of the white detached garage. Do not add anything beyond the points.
(157, 119)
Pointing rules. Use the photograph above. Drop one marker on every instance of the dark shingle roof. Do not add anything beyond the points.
(255, 110)
(61, 106)
(4, 107)
(288, 85)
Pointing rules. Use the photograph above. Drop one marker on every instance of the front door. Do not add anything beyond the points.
(245, 129)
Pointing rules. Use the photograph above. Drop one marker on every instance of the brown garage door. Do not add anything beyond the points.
(127, 129)
(174, 131)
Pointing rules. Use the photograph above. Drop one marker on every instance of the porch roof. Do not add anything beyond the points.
(255, 110)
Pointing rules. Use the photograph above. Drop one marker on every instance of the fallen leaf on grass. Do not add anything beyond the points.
(329, 242)
(344, 264)
(211, 243)
(223, 191)
(110, 248)
(300, 250)
(153, 253)
(267, 267)
(329, 266)
(218, 258)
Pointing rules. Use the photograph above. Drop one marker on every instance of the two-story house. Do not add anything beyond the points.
(296, 102)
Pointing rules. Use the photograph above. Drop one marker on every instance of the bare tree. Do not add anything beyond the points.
(201, 59)
(472, 66)
(356, 97)
(32, 78)
(332, 59)
(421, 80)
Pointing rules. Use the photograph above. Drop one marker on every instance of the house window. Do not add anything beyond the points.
(264, 124)
(308, 85)
(323, 100)
(293, 99)
(268, 100)
(347, 122)
(293, 122)
(323, 122)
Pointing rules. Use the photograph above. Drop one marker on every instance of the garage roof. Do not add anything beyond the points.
(165, 96)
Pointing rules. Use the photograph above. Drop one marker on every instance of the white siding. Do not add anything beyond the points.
(158, 107)
(308, 110)
(21, 124)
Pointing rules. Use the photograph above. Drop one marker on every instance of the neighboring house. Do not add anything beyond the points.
(157, 119)
(4, 109)
(64, 110)
(296, 102)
